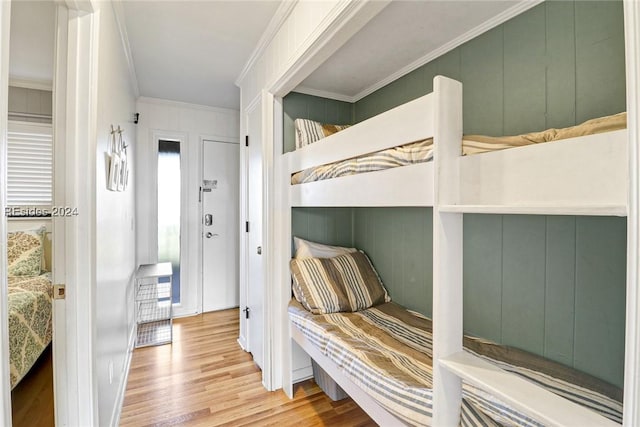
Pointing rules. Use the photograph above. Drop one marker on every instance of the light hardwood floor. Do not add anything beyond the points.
(205, 379)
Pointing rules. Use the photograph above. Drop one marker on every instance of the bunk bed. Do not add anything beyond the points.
(536, 179)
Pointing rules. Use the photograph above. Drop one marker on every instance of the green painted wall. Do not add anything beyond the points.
(556, 65)
(554, 286)
(301, 106)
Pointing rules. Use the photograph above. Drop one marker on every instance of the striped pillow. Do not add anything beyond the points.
(344, 283)
(310, 131)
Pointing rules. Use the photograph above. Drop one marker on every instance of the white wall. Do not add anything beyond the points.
(308, 35)
(193, 123)
(115, 241)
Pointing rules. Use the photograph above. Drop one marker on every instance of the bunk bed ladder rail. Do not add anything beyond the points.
(451, 365)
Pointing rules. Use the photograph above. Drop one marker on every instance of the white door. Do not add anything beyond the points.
(255, 286)
(220, 225)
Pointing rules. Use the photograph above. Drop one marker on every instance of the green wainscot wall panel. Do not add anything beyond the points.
(560, 64)
(523, 277)
(482, 276)
(524, 73)
(331, 226)
(600, 297)
(301, 106)
(559, 298)
(399, 242)
(600, 70)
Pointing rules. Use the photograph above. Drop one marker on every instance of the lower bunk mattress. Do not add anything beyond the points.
(387, 351)
(29, 322)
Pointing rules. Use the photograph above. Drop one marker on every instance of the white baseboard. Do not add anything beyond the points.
(117, 408)
(242, 342)
(302, 374)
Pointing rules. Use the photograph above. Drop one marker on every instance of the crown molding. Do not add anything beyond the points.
(324, 94)
(31, 83)
(180, 104)
(278, 19)
(469, 35)
(118, 11)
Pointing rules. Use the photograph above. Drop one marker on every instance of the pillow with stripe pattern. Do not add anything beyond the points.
(310, 131)
(345, 283)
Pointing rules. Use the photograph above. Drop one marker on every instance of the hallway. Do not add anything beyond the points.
(205, 379)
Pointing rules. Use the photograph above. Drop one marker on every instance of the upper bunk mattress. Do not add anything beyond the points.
(415, 152)
(422, 151)
(387, 351)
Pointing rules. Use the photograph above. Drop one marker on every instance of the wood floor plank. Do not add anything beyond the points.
(32, 398)
(204, 379)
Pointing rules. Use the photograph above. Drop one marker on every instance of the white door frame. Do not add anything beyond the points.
(74, 122)
(5, 382)
(264, 101)
(631, 414)
(243, 277)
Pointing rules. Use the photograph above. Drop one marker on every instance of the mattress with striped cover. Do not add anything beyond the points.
(387, 351)
(422, 151)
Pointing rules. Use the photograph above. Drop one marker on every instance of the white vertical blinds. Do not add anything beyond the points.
(29, 164)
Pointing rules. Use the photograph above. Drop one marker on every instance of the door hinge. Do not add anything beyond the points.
(246, 140)
(246, 312)
(59, 291)
(246, 226)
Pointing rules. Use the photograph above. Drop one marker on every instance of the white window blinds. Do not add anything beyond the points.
(29, 164)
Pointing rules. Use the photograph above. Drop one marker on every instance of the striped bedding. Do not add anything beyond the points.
(415, 152)
(422, 151)
(386, 351)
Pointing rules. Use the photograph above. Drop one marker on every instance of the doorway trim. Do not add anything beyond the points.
(74, 121)
(243, 258)
(5, 382)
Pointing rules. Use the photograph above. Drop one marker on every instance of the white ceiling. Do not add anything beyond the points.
(32, 41)
(192, 51)
(404, 32)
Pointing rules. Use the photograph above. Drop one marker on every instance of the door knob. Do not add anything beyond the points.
(210, 235)
(259, 250)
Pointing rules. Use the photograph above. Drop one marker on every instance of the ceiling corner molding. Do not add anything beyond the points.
(118, 11)
(345, 19)
(31, 83)
(501, 18)
(278, 19)
(324, 94)
(180, 104)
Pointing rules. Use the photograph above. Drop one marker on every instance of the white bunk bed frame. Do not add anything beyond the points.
(582, 176)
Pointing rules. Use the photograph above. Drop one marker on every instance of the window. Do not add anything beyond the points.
(29, 167)
(169, 210)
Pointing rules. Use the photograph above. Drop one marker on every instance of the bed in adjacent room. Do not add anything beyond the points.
(30, 307)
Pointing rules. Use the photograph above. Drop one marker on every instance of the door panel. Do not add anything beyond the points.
(220, 174)
(255, 288)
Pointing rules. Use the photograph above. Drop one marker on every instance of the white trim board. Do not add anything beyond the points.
(631, 414)
(118, 11)
(15, 81)
(5, 387)
(499, 19)
(180, 104)
(278, 19)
